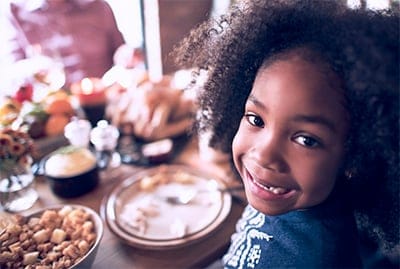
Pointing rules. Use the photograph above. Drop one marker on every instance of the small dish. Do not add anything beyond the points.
(65, 229)
(135, 213)
(70, 182)
(135, 151)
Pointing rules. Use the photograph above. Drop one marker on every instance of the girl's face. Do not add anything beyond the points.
(290, 142)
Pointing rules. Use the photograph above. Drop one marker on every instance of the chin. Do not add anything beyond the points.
(269, 211)
(267, 208)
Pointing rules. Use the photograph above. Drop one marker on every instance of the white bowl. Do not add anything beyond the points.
(87, 259)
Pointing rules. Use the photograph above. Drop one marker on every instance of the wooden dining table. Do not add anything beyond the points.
(114, 253)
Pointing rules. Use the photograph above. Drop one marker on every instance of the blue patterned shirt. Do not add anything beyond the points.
(324, 236)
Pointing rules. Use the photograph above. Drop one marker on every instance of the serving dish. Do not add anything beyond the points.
(68, 185)
(63, 236)
(137, 213)
(136, 151)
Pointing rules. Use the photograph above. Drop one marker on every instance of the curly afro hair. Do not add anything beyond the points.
(360, 46)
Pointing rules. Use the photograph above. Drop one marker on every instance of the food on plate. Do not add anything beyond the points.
(58, 238)
(183, 178)
(178, 227)
(69, 161)
(158, 151)
(137, 221)
(150, 182)
(139, 215)
(136, 215)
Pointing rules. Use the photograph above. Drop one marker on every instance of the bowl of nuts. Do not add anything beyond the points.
(62, 236)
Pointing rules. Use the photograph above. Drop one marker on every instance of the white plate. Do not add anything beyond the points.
(165, 225)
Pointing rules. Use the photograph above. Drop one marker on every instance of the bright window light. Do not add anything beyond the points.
(370, 4)
(377, 4)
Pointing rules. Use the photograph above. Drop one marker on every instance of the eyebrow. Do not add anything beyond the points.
(314, 119)
(255, 101)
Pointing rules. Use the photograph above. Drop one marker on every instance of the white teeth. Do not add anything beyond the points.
(278, 190)
(275, 190)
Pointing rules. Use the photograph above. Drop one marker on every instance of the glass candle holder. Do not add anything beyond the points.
(91, 95)
(17, 192)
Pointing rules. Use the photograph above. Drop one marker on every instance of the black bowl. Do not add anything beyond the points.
(69, 186)
(74, 186)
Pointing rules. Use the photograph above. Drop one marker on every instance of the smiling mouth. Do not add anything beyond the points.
(272, 189)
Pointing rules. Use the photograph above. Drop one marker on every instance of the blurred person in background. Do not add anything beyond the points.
(153, 110)
(80, 35)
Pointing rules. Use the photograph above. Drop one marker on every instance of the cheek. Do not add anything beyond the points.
(238, 147)
(319, 176)
(317, 179)
(235, 149)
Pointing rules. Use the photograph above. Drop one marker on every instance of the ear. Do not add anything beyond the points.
(350, 173)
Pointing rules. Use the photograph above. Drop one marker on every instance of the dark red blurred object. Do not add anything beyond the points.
(24, 93)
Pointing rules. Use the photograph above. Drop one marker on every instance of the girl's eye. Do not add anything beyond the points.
(307, 141)
(254, 120)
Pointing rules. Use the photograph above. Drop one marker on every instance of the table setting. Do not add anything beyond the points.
(160, 203)
(152, 210)
(116, 195)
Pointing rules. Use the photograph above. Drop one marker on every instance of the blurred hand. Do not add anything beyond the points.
(128, 56)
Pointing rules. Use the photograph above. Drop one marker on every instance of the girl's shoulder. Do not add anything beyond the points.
(308, 238)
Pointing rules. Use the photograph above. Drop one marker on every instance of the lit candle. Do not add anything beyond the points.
(89, 92)
(91, 95)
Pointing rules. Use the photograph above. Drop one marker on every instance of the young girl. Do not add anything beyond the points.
(305, 95)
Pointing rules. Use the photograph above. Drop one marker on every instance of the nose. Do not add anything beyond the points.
(269, 152)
